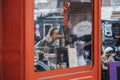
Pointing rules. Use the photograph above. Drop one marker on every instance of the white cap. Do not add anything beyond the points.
(108, 49)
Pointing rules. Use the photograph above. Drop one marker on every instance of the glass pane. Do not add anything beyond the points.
(62, 34)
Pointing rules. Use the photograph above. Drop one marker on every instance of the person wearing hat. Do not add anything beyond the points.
(51, 38)
(108, 56)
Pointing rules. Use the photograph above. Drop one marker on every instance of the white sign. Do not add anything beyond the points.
(72, 56)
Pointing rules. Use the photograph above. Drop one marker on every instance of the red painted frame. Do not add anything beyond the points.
(56, 74)
(18, 46)
(1, 39)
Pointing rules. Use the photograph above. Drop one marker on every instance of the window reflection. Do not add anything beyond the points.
(58, 45)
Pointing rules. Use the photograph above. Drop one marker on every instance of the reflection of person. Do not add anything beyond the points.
(51, 39)
(47, 45)
(37, 33)
(107, 57)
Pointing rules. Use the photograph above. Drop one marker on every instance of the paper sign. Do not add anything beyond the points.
(72, 56)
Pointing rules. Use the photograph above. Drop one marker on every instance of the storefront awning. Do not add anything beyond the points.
(115, 15)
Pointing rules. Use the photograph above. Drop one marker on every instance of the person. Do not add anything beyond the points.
(51, 39)
(37, 33)
(107, 57)
(47, 45)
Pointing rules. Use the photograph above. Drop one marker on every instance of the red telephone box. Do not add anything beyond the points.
(18, 47)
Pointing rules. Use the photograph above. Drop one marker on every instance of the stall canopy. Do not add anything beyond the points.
(108, 13)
